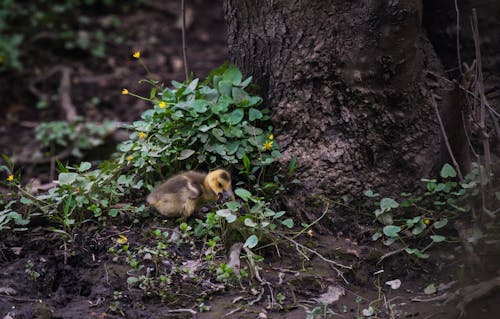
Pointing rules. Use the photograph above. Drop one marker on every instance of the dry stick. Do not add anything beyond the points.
(445, 137)
(458, 38)
(184, 50)
(479, 89)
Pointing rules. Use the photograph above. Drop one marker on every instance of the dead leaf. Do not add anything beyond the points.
(395, 284)
(333, 294)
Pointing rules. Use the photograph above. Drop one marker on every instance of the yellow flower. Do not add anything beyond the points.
(10, 178)
(129, 158)
(162, 105)
(1, 59)
(427, 221)
(142, 135)
(268, 145)
(137, 54)
(124, 91)
(122, 239)
(310, 233)
(271, 137)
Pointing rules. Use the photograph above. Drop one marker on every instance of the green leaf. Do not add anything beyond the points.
(430, 289)
(233, 206)
(416, 252)
(191, 87)
(287, 222)
(232, 75)
(67, 178)
(199, 106)
(254, 114)
(371, 194)
(240, 97)
(84, 166)
(376, 236)
(448, 171)
(236, 116)
(386, 204)
(251, 242)
(246, 163)
(437, 238)
(185, 154)
(225, 88)
(249, 222)
(391, 230)
(243, 194)
(419, 228)
(26, 201)
(132, 280)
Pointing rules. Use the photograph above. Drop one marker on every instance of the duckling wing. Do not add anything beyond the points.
(184, 185)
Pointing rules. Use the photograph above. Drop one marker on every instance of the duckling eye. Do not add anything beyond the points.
(220, 185)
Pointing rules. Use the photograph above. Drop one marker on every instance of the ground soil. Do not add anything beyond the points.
(82, 280)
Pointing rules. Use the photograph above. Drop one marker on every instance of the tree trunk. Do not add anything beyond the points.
(348, 89)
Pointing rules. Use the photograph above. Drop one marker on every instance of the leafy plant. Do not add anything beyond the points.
(74, 136)
(423, 217)
(203, 125)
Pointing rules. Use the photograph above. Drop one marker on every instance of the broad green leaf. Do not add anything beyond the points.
(448, 171)
(243, 194)
(240, 97)
(84, 166)
(225, 88)
(387, 204)
(251, 242)
(391, 230)
(185, 154)
(232, 75)
(437, 238)
(205, 127)
(236, 116)
(199, 106)
(288, 222)
(233, 206)
(254, 114)
(67, 178)
(26, 201)
(249, 222)
(246, 82)
(416, 252)
(419, 228)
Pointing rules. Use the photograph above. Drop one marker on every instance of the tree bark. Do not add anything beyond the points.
(348, 86)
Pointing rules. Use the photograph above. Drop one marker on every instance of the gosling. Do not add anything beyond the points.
(185, 193)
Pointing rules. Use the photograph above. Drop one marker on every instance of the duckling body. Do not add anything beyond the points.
(185, 193)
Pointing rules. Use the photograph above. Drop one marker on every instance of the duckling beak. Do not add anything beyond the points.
(225, 195)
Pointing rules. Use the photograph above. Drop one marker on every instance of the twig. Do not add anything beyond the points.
(260, 279)
(334, 263)
(458, 38)
(390, 254)
(184, 49)
(445, 137)
(65, 92)
(191, 311)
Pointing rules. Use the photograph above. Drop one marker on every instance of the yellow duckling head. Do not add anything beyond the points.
(219, 182)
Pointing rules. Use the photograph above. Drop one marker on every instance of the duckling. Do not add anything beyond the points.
(185, 193)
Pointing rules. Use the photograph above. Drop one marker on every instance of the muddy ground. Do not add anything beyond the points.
(42, 278)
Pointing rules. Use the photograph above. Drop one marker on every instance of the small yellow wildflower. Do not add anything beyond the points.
(427, 221)
(10, 178)
(268, 145)
(162, 105)
(124, 91)
(137, 54)
(142, 135)
(122, 239)
(310, 233)
(271, 137)
(1, 59)
(129, 158)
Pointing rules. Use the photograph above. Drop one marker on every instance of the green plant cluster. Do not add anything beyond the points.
(76, 136)
(203, 125)
(56, 21)
(422, 218)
